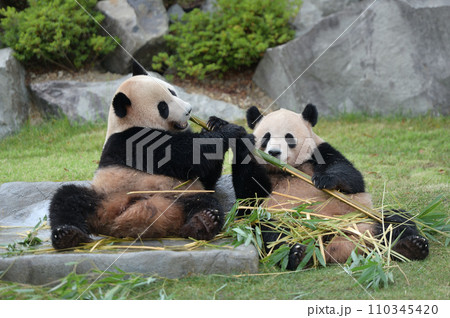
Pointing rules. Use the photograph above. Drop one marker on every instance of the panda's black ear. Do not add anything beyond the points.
(120, 104)
(138, 69)
(310, 114)
(253, 116)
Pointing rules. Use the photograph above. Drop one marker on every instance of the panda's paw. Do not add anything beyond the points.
(413, 247)
(203, 225)
(325, 180)
(216, 123)
(67, 236)
(296, 255)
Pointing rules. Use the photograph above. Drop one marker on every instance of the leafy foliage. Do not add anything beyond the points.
(248, 229)
(371, 267)
(58, 32)
(370, 270)
(30, 241)
(109, 285)
(236, 34)
(431, 221)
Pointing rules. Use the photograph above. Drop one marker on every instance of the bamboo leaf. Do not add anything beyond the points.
(431, 207)
(320, 257)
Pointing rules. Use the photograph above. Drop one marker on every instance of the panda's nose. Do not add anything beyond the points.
(274, 152)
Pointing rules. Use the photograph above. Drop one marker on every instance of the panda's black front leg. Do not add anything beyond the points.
(296, 252)
(409, 241)
(204, 216)
(250, 178)
(333, 171)
(69, 210)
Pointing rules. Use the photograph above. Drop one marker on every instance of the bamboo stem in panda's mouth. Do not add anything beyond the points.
(303, 176)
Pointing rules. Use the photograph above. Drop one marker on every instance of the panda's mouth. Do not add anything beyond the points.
(179, 126)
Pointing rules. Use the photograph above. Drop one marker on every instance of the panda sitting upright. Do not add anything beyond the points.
(288, 136)
(148, 147)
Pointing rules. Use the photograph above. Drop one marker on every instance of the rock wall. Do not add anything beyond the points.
(394, 59)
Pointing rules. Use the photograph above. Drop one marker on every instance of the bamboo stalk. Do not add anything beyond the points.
(293, 197)
(243, 207)
(170, 191)
(303, 176)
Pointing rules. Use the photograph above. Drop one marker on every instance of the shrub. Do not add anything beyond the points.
(236, 34)
(57, 32)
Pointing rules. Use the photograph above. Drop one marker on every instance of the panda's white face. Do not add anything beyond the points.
(287, 136)
(146, 101)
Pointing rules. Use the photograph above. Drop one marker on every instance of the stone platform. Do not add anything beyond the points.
(23, 204)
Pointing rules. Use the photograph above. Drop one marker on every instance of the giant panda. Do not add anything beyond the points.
(149, 146)
(288, 136)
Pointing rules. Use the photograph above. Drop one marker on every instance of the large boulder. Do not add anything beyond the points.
(79, 101)
(89, 101)
(14, 100)
(394, 59)
(140, 25)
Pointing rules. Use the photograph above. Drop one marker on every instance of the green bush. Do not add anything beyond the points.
(236, 34)
(57, 32)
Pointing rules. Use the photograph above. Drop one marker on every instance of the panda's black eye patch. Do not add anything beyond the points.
(172, 92)
(265, 140)
(290, 140)
(163, 109)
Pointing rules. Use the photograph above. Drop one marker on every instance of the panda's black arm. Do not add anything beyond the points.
(250, 179)
(333, 171)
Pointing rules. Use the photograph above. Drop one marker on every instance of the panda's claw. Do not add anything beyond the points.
(67, 236)
(203, 225)
(215, 123)
(413, 247)
(296, 255)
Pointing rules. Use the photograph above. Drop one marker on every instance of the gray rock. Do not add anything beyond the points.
(88, 101)
(312, 11)
(175, 13)
(91, 100)
(140, 25)
(395, 59)
(23, 204)
(209, 5)
(203, 106)
(14, 99)
(224, 192)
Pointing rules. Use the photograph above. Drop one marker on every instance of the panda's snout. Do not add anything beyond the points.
(275, 152)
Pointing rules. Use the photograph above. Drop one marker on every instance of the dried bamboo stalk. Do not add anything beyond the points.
(170, 191)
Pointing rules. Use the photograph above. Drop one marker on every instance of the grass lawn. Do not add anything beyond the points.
(404, 162)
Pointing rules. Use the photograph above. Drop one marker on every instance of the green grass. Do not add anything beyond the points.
(53, 151)
(403, 160)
